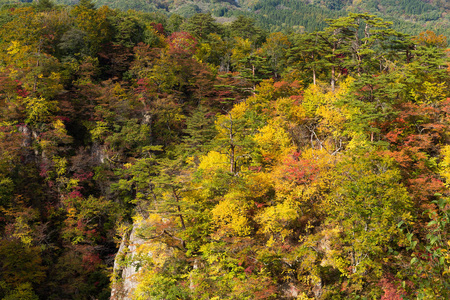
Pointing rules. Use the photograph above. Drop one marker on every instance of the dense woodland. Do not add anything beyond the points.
(408, 16)
(258, 165)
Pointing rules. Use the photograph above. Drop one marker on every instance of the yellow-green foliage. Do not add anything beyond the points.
(212, 163)
(273, 141)
(275, 221)
(230, 214)
(445, 164)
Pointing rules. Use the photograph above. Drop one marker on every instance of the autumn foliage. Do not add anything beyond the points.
(265, 166)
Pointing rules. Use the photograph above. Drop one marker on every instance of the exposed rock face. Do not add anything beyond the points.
(125, 281)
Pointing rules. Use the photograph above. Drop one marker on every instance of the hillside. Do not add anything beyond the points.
(409, 16)
(148, 156)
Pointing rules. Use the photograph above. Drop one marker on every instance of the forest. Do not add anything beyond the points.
(287, 16)
(408, 16)
(252, 164)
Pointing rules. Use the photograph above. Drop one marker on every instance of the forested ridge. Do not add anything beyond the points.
(252, 165)
(408, 16)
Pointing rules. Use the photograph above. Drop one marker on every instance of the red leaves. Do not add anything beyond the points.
(21, 91)
(392, 289)
(287, 89)
(90, 259)
(83, 176)
(298, 170)
(248, 270)
(414, 137)
(182, 43)
(75, 194)
(259, 205)
(158, 28)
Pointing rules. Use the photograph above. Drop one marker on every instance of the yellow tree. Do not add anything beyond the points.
(93, 22)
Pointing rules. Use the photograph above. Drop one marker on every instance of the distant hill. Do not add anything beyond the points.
(409, 16)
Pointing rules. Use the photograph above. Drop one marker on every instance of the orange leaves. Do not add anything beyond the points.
(285, 88)
(303, 169)
(417, 127)
(424, 187)
(429, 38)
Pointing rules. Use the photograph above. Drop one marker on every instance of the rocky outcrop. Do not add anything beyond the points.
(126, 265)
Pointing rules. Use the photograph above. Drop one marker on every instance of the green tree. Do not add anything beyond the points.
(366, 207)
(93, 22)
(245, 28)
(201, 25)
(20, 265)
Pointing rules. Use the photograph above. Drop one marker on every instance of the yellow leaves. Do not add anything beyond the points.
(430, 38)
(203, 52)
(21, 39)
(14, 48)
(444, 166)
(159, 252)
(332, 119)
(275, 42)
(23, 231)
(327, 120)
(24, 226)
(260, 101)
(275, 220)
(93, 22)
(288, 109)
(60, 169)
(273, 141)
(242, 48)
(72, 213)
(72, 183)
(430, 92)
(155, 39)
(212, 50)
(100, 130)
(314, 98)
(210, 166)
(238, 111)
(151, 256)
(259, 184)
(274, 135)
(213, 162)
(55, 77)
(270, 242)
(342, 265)
(38, 108)
(304, 178)
(446, 253)
(344, 87)
(303, 296)
(60, 164)
(59, 129)
(230, 215)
